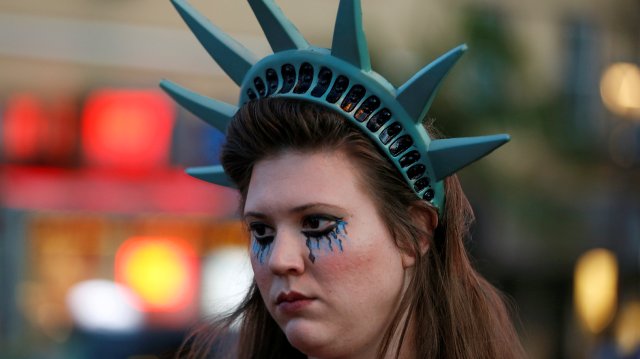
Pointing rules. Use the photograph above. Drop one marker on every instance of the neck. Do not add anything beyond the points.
(402, 343)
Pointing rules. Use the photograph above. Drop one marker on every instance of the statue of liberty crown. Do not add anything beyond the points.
(339, 79)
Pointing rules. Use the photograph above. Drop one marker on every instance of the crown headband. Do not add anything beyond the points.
(339, 79)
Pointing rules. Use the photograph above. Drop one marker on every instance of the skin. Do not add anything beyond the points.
(354, 292)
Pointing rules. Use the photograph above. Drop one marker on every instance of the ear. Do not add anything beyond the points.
(426, 219)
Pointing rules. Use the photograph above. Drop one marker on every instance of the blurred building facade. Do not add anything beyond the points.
(76, 73)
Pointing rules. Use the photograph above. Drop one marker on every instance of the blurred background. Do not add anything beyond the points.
(107, 250)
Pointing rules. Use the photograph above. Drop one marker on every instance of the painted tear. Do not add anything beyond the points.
(337, 235)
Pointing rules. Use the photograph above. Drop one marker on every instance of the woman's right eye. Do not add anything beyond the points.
(262, 233)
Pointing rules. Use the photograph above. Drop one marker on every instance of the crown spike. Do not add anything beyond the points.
(349, 42)
(232, 57)
(417, 94)
(339, 79)
(216, 113)
(280, 32)
(448, 156)
(211, 174)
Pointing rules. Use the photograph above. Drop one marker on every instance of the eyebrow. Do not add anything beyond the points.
(298, 209)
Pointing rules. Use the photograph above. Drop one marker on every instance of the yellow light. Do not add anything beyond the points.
(595, 289)
(160, 270)
(620, 89)
(627, 331)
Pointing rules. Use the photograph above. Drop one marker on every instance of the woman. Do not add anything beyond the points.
(387, 276)
(356, 223)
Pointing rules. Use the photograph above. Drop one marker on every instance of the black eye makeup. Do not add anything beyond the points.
(261, 232)
(317, 227)
(263, 236)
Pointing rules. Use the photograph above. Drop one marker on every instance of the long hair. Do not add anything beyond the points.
(454, 312)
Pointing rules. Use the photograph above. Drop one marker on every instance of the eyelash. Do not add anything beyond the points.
(266, 240)
(324, 232)
(263, 240)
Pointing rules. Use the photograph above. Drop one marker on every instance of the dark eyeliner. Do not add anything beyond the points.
(262, 240)
(316, 234)
(319, 234)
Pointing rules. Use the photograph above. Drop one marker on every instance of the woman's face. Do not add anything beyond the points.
(326, 265)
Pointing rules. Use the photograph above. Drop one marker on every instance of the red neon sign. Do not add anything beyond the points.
(127, 129)
(24, 123)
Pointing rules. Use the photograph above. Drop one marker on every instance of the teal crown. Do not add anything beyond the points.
(339, 79)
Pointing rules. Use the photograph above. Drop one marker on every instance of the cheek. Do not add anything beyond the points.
(371, 264)
(261, 274)
(372, 245)
(364, 264)
(361, 285)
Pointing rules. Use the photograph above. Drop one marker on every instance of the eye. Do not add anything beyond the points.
(262, 233)
(318, 225)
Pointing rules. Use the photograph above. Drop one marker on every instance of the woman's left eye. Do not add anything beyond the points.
(319, 225)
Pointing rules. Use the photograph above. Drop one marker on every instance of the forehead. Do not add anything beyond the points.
(291, 179)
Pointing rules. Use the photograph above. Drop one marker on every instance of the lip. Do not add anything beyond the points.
(292, 302)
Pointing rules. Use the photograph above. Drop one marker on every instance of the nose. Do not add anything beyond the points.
(287, 253)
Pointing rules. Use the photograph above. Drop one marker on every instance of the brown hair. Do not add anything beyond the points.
(455, 312)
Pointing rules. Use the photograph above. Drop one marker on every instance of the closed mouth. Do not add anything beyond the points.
(290, 297)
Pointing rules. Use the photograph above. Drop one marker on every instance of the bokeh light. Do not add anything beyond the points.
(226, 277)
(161, 271)
(127, 129)
(104, 306)
(620, 89)
(24, 119)
(595, 289)
(627, 329)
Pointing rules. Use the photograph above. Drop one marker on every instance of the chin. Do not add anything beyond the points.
(307, 337)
